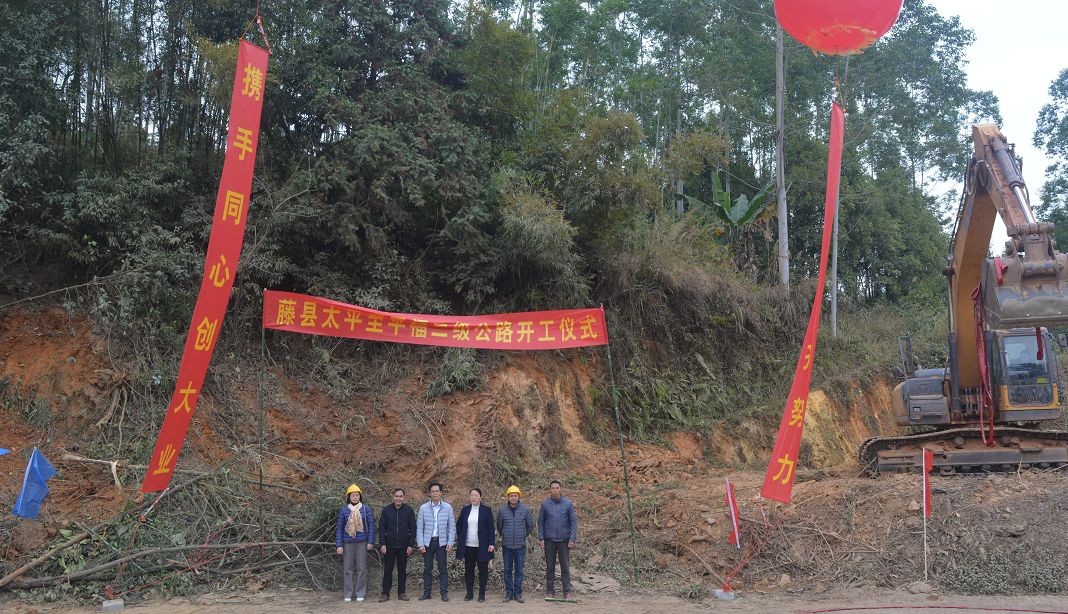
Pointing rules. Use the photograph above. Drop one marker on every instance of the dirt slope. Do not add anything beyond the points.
(533, 418)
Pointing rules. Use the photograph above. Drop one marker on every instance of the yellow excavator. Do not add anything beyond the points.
(984, 411)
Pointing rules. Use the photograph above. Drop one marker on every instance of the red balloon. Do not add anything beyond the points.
(837, 27)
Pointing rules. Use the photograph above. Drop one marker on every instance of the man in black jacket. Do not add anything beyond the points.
(396, 539)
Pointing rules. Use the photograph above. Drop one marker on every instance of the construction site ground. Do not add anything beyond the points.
(846, 541)
(631, 602)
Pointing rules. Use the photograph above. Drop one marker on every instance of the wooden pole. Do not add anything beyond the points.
(259, 402)
(626, 473)
(926, 488)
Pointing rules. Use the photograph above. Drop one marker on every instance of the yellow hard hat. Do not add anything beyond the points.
(353, 488)
(513, 489)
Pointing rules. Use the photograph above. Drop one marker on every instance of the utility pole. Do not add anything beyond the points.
(834, 245)
(780, 173)
(834, 268)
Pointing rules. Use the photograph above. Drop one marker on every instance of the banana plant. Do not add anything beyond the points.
(740, 220)
(743, 211)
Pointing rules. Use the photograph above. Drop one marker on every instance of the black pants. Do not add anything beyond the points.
(470, 560)
(435, 551)
(552, 550)
(398, 555)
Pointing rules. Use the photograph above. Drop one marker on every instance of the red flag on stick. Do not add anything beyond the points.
(735, 537)
(928, 464)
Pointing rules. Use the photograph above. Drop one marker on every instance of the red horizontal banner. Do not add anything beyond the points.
(532, 330)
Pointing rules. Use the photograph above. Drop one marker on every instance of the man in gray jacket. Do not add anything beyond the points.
(557, 532)
(435, 534)
(515, 522)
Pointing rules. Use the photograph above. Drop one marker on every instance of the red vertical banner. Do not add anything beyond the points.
(779, 478)
(220, 265)
(928, 464)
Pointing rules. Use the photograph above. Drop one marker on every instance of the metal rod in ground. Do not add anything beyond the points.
(626, 473)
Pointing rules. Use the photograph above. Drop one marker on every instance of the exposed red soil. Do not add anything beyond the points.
(533, 418)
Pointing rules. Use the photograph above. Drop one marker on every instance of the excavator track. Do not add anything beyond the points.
(961, 450)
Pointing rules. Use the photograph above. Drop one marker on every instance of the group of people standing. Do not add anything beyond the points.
(436, 533)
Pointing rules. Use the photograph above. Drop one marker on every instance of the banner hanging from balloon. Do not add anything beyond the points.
(532, 330)
(835, 27)
(779, 478)
(220, 266)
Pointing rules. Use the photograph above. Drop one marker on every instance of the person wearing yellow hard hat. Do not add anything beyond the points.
(515, 521)
(354, 537)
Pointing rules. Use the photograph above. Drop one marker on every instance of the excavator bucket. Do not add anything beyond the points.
(1028, 289)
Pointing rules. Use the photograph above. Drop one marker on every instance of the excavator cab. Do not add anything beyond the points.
(1025, 375)
(1023, 381)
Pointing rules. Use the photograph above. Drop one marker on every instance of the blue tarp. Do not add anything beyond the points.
(34, 486)
(4, 451)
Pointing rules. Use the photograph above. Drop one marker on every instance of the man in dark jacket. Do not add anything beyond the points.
(515, 521)
(557, 532)
(396, 531)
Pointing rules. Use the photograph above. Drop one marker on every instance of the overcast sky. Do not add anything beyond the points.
(1019, 50)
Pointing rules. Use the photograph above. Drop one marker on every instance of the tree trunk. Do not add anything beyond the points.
(680, 182)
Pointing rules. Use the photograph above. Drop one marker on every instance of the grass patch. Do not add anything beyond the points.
(459, 370)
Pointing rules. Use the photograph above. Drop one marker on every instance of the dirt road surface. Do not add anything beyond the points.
(853, 600)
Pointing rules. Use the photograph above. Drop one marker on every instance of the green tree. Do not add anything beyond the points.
(389, 126)
(1051, 136)
(29, 106)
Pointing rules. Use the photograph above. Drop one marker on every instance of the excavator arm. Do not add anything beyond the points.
(1026, 286)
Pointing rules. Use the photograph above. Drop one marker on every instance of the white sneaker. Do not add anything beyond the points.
(359, 599)
(348, 599)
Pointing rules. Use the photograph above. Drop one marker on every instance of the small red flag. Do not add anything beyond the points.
(928, 464)
(735, 536)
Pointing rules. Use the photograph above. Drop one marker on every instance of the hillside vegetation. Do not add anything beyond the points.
(437, 157)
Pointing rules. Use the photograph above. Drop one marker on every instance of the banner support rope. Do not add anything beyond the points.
(623, 459)
(258, 20)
